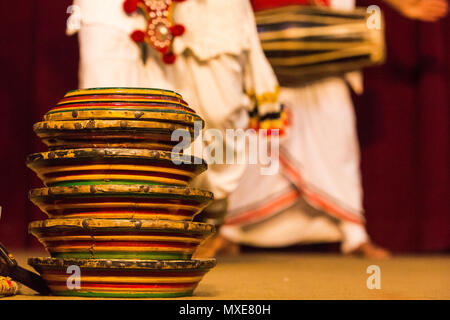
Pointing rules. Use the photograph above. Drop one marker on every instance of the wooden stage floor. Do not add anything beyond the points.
(317, 276)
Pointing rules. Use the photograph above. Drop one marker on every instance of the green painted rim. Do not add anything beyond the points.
(111, 182)
(75, 293)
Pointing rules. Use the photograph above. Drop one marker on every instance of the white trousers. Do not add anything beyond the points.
(320, 175)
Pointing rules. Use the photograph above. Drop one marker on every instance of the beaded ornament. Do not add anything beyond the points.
(161, 30)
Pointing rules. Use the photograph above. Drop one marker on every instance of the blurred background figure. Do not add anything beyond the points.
(317, 196)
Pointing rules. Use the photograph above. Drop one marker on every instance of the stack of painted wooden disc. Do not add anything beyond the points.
(117, 198)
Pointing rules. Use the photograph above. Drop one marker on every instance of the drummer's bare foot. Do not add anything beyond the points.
(370, 250)
(217, 245)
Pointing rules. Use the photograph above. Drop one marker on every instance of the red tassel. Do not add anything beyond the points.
(164, 50)
(169, 58)
(130, 6)
(177, 30)
(138, 36)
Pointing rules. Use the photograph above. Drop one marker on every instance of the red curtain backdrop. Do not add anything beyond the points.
(39, 64)
(403, 122)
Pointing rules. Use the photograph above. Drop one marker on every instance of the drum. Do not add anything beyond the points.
(114, 278)
(120, 238)
(115, 166)
(156, 202)
(305, 43)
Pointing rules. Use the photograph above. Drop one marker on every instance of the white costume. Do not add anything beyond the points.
(219, 58)
(317, 195)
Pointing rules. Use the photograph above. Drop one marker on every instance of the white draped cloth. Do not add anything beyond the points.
(317, 194)
(219, 58)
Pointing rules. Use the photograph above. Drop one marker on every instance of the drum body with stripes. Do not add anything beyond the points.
(306, 43)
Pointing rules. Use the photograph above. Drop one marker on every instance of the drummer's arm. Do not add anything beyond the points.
(424, 10)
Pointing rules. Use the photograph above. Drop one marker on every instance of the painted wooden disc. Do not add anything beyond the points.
(123, 112)
(121, 201)
(109, 134)
(120, 238)
(139, 99)
(123, 107)
(114, 166)
(123, 278)
(165, 102)
(123, 90)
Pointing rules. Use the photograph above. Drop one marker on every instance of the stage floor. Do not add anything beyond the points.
(316, 276)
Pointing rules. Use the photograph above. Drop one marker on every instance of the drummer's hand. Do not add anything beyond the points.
(424, 10)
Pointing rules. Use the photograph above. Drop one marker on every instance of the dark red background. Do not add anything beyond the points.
(403, 122)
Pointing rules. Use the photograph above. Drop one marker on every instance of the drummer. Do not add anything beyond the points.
(317, 197)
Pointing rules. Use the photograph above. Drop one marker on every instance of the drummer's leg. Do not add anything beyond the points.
(346, 158)
(355, 239)
(324, 141)
(214, 90)
(321, 151)
(223, 178)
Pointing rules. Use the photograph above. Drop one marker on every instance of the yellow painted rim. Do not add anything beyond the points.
(107, 124)
(122, 238)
